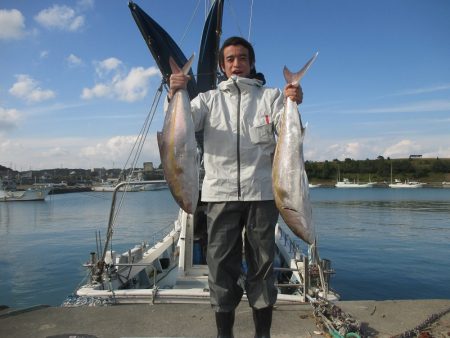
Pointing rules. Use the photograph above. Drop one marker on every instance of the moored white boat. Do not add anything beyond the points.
(407, 184)
(345, 183)
(36, 193)
(110, 185)
(155, 185)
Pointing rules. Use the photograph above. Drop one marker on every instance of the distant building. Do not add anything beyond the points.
(99, 172)
(148, 166)
(415, 156)
(26, 174)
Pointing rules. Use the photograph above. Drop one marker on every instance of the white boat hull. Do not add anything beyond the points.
(407, 184)
(32, 194)
(354, 185)
(106, 188)
(347, 184)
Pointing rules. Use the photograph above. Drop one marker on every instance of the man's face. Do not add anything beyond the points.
(236, 61)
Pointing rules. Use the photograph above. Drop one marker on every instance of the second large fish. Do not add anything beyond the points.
(289, 179)
(178, 147)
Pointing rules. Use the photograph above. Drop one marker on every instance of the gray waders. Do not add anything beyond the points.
(226, 221)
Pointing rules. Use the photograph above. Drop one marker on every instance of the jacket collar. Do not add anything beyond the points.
(243, 83)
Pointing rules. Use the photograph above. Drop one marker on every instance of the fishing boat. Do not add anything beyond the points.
(155, 185)
(406, 184)
(37, 192)
(110, 185)
(346, 183)
(173, 269)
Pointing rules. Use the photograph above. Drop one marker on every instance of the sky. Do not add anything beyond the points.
(77, 79)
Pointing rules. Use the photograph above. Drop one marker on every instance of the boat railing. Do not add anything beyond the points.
(112, 217)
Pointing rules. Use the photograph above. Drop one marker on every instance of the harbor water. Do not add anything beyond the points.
(383, 243)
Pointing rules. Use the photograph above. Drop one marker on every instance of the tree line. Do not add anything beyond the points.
(380, 169)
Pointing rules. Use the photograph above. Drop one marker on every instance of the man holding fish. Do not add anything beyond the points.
(239, 120)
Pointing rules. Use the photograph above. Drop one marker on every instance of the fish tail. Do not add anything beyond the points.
(176, 69)
(296, 77)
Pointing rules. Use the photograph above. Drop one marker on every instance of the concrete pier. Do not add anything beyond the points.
(378, 319)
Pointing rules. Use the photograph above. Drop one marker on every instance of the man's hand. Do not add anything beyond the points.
(177, 81)
(294, 92)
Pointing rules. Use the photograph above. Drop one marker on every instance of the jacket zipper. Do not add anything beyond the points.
(238, 143)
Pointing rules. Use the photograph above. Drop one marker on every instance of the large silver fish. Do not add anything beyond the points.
(289, 179)
(178, 147)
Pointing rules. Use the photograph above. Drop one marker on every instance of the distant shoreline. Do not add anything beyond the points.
(432, 171)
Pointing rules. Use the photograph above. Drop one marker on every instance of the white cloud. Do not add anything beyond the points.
(319, 148)
(99, 90)
(74, 60)
(103, 68)
(85, 4)
(402, 149)
(116, 149)
(415, 107)
(60, 17)
(424, 90)
(28, 89)
(12, 24)
(44, 54)
(74, 152)
(8, 119)
(340, 149)
(55, 152)
(117, 84)
(113, 148)
(135, 85)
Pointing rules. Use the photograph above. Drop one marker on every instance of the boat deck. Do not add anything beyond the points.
(378, 318)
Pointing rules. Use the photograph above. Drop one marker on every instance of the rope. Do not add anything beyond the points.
(426, 323)
(235, 17)
(138, 145)
(331, 317)
(188, 26)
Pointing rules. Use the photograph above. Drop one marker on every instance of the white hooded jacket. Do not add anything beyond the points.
(238, 121)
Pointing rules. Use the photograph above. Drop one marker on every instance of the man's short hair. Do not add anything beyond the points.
(237, 41)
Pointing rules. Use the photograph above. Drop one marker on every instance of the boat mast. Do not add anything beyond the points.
(391, 171)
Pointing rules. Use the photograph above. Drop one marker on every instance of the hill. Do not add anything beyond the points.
(429, 170)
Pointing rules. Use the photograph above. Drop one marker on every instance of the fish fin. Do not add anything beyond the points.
(176, 69)
(159, 138)
(296, 77)
(303, 127)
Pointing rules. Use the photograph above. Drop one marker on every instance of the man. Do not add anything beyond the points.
(238, 120)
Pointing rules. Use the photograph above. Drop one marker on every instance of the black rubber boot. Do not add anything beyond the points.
(225, 322)
(263, 321)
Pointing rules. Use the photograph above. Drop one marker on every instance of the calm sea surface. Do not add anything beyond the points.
(383, 243)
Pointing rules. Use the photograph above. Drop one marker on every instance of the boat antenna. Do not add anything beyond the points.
(250, 21)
